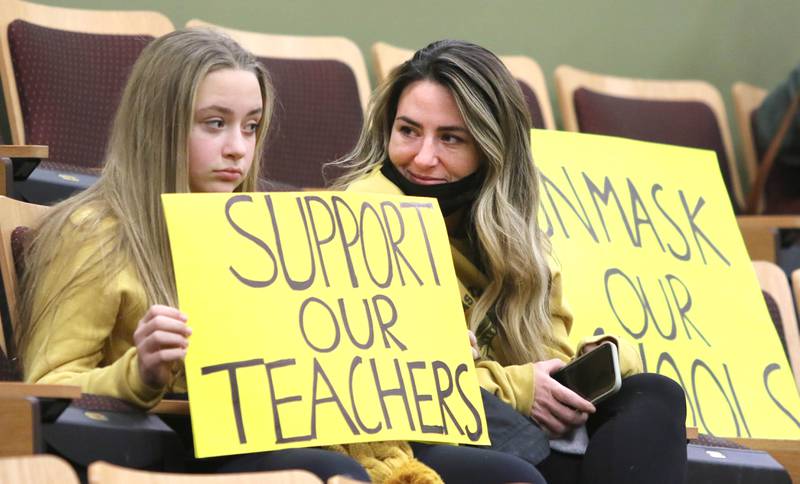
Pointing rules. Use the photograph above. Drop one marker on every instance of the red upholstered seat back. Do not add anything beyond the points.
(317, 119)
(534, 107)
(775, 315)
(19, 242)
(9, 365)
(69, 86)
(683, 123)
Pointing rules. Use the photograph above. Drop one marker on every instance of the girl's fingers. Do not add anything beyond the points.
(161, 323)
(161, 310)
(168, 355)
(172, 325)
(162, 339)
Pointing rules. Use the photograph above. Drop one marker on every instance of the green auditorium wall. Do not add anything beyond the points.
(720, 41)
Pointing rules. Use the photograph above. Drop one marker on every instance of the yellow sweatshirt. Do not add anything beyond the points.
(85, 337)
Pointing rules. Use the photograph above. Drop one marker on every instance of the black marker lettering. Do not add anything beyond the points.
(686, 255)
(279, 437)
(605, 197)
(365, 208)
(346, 244)
(247, 235)
(442, 393)
(476, 434)
(418, 397)
(395, 242)
(400, 391)
(319, 373)
(317, 241)
(385, 324)
(374, 430)
(297, 285)
(336, 333)
(417, 207)
(696, 231)
(237, 405)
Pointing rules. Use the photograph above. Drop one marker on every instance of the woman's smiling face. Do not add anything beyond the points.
(430, 143)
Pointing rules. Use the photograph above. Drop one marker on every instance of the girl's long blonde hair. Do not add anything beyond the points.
(119, 219)
(512, 248)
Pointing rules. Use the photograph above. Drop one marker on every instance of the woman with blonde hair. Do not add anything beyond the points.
(451, 123)
(98, 303)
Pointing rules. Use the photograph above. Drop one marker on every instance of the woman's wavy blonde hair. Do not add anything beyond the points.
(119, 219)
(512, 248)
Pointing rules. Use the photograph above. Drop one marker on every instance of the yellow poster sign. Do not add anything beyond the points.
(321, 318)
(651, 251)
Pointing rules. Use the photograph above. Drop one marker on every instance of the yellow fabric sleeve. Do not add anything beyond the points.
(85, 336)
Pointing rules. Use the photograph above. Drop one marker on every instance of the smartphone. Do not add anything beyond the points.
(594, 375)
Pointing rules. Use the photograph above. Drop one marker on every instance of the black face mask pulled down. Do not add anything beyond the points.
(451, 196)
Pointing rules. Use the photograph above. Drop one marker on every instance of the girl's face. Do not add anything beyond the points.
(430, 143)
(222, 138)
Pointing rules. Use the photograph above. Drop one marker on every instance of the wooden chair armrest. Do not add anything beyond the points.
(171, 407)
(100, 471)
(20, 390)
(760, 233)
(24, 151)
(21, 423)
(11, 389)
(769, 221)
(24, 159)
(343, 480)
(37, 468)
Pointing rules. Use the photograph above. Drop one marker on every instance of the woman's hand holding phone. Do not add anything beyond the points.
(161, 339)
(556, 408)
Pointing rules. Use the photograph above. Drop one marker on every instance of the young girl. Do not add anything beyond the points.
(98, 303)
(451, 123)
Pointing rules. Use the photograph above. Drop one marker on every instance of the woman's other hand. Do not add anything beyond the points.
(473, 342)
(556, 408)
(161, 339)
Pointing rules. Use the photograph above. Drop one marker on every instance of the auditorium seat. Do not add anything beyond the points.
(63, 72)
(684, 113)
(105, 473)
(36, 469)
(386, 57)
(13, 214)
(774, 187)
(778, 297)
(746, 99)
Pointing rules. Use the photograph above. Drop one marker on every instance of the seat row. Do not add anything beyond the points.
(782, 297)
(63, 71)
(46, 468)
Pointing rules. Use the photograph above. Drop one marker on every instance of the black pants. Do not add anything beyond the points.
(323, 463)
(636, 436)
(472, 465)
